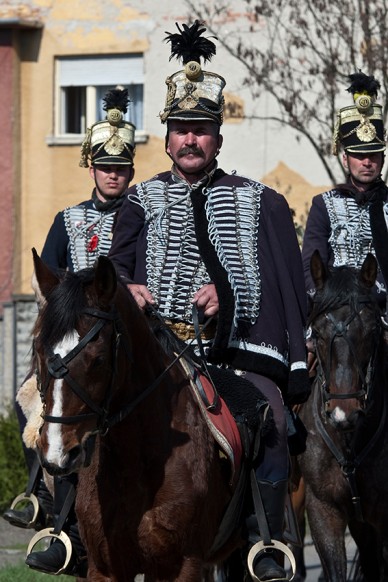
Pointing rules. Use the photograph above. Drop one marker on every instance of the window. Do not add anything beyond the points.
(81, 83)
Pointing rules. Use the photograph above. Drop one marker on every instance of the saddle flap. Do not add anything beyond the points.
(218, 418)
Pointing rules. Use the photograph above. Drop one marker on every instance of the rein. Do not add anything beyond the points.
(58, 369)
(348, 466)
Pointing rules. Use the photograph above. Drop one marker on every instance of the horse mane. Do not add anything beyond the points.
(66, 301)
(343, 286)
(171, 344)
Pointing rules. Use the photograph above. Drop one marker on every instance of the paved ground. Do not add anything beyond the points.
(313, 565)
(14, 541)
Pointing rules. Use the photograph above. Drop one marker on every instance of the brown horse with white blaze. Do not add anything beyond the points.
(153, 487)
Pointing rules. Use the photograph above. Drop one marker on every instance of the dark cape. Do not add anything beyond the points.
(274, 344)
(318, 228)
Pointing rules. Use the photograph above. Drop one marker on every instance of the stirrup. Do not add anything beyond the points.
(48, 532)
(260, 547)
(31, 498)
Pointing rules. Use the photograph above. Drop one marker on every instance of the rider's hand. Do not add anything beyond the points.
(141, 295)
(206, 299)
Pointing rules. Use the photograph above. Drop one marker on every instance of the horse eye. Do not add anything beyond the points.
(98, 361)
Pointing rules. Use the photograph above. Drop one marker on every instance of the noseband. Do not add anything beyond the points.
(340, 328)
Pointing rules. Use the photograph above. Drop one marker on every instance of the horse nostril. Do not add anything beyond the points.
(74, 455)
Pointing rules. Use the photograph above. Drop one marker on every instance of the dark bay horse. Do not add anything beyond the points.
(153, 489)
(345, 465)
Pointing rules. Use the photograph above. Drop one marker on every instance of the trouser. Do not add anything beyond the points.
(272, 463)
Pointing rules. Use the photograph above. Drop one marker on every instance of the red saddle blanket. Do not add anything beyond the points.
(218, 417)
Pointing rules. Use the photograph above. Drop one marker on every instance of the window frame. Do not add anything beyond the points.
(91, 115)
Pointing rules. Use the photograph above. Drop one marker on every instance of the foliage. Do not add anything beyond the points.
(13, 470)
(300, 53)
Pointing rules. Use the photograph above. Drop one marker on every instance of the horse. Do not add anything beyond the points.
(153, 483)
(345, 464)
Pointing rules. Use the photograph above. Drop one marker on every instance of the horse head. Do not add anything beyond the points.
(346, 328)
(76, 342)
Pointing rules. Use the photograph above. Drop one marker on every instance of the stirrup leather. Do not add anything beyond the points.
(260, 547)
(48, 532)
(31, 498)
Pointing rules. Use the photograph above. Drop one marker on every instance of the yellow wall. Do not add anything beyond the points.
(51, 177)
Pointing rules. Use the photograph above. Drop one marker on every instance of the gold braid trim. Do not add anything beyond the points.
(334, 145)
(85, 150)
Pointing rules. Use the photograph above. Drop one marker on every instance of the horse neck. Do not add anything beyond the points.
(148, 369)
(378, 397)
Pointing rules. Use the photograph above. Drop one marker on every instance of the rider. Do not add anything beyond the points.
(347, 222)
(226, 243)
(78, 235)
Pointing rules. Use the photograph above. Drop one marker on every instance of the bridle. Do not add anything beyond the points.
(340, 328)
(348, 464)
(57, 367)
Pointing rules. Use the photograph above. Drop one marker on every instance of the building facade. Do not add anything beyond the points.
(57, 59)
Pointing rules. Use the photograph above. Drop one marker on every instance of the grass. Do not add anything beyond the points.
(21, 573)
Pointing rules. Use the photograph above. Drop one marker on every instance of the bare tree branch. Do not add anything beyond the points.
(300, 52)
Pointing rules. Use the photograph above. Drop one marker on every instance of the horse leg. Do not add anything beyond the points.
(328, 532)
(370, 551)
(233, 568)
(94, 576)
(192, 570)
(298, 503)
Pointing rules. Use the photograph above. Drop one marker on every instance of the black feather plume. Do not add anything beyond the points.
(189, 45)
(116, 98)
(361, 82)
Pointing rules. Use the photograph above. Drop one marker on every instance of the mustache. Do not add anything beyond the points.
(195, 150)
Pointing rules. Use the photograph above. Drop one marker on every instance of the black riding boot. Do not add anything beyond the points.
(25, 517)
(266, 566)
(30, 516)
(53, 559)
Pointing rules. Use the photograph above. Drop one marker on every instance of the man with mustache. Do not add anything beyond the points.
(227, 244)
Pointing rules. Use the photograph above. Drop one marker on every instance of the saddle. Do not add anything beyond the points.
(238, 416)
(228, 402)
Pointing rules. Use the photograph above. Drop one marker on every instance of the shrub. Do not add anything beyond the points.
(13, 470)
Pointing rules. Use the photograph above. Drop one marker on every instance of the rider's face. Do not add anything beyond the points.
(193, 146)
(363, 168)
(111, 180)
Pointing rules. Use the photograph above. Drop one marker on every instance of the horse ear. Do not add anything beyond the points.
(105, 281)
(43, 279)
(368, 271)
(318, 270)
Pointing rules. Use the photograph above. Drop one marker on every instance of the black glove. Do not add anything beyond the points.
(299, 387)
